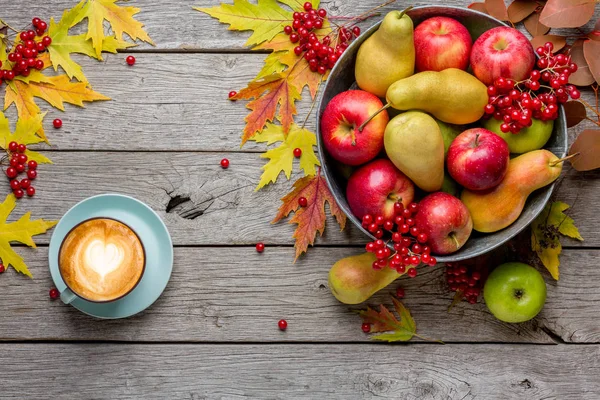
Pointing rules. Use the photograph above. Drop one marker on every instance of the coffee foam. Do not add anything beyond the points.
(101, 259)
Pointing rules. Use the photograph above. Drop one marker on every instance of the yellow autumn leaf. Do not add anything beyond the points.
(25, 133)
(21, 231)
(272, 65)
(121, 21)
(281, 158)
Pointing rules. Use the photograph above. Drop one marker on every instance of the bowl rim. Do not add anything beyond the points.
(454, 257)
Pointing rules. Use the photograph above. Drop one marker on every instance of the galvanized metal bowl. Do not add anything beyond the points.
(342, 79)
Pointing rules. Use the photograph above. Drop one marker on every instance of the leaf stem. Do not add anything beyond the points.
(312, 106)
(588, 105)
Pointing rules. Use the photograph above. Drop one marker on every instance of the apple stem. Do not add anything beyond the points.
(453, 236)
(405, 11)
(362, 126)
(555, 163)
(477, 140)
(394, 198)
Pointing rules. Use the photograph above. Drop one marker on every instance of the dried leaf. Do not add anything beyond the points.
(281, 158)
(545, 235)
(25, 133)
(583, 76)
(478, 7)
(575, 112)
(518, 10)
(404, 327)
(497, 9)
(587, 145)
(567, 13)
(310, 219)
(591, 52)
(559, 42)
(594, 35)
(21, 231)
(534, 26)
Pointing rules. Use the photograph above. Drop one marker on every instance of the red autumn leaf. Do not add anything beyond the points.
(583, 76)
(567, 13)
(521, 9)
(403, 327)
(478, 7)
(534, 26)
(559, 42)
(497, 9)
(268, 93)
(575, 112)
(591, 52)
(310, 219)
(587, 145)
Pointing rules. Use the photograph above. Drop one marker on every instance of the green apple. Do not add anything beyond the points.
(515, 292)
(528, 139)
(449, 133)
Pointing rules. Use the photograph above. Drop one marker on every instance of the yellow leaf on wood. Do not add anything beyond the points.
(25, 133)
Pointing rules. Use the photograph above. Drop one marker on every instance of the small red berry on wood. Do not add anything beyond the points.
(224, 163)
(366, 328)
(130, 60)
(282, 324)
(54, 293)
(260, 247)
(57, 123)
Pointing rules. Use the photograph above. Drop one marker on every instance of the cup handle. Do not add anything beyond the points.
(67, 296)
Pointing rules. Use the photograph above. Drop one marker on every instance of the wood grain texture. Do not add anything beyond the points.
(236, 294)
(102, 371)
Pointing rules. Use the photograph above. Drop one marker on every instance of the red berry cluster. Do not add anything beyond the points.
(465, 280)
(321, 56)
(24, 57)
(516, 103)
(19, 164)
(410, 245)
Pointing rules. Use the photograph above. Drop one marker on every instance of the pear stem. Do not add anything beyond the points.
(405, 11)
(360, 128)
(555, 163)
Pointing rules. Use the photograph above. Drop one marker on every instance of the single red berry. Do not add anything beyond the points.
(32, 174)
(322, 12)
(282, 324)
(288, 30)
(307, 6)
(54, 293)
(42, 26)
(260, 247)
(24, 36)
(25, 183)
(302, 201)
(20, 168)
(15, 184)
(13, 146)
(47, 41)
(19, 193)
(297, 152)
(422, 238)
(14, 161)
(232, 94)
(29, 44)
(412, 272)
(9, 75)
(11, 172)
(39, 65)
(225, 163)
(32, 164)
(356, 31)
(57, 123)
(2, 268)
(294, 38)
(30, 191)
(21, 148)
(39, 46)
(22, 158)
(400, 293)
(366, 328)
(35, 21)
(130, 60)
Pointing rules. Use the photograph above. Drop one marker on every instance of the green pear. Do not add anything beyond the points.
(414, 143)
(528, 139)
(450, 186)
(353, 280)
(449, 133)
(387, 55)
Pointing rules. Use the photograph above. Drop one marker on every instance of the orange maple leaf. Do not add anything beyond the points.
(310, 219)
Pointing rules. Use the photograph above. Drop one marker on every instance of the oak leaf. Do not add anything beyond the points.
(587, 145)
(567, 13)
(403, 327)
(281, 158)
(545, 235)
(21, 231)
(310, 219)
(25, 133)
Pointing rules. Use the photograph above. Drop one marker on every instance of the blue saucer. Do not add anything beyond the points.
(152, 232)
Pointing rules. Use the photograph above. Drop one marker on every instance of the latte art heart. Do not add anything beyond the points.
(101, 259)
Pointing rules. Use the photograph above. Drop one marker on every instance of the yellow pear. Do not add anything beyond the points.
(387, 55)
(414, 143)
(353, 280)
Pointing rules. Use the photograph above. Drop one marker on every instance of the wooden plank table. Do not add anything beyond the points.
(213, 333)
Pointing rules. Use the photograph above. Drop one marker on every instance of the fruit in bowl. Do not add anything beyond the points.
(340, 124)
(441, 43)
(527, 139)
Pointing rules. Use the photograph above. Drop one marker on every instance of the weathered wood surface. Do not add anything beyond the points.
(106, 371)
(236, 294)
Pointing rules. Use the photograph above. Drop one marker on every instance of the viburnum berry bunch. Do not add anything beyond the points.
(320, 54)
(516, 103)
(409, 244)
(467, 281)
(19, 164)
(25, 55)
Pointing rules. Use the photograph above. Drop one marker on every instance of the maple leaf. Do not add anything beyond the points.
(384, 320)
(120, 19)
(56, 90)
(273, 65)
(545, 235)
(281, 158)
(21, 231)
(310, 219)
(25, 133)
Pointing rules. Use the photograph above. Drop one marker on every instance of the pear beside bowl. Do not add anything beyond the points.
(342, 79)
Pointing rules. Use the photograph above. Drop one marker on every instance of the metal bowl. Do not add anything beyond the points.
(342, 79)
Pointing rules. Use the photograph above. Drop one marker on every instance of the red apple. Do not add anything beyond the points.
(440, 43)
(446, 222)
(478, 159)
(375, 187)
(341, 119)
(502, 52)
